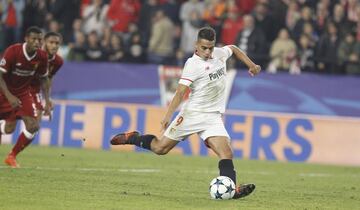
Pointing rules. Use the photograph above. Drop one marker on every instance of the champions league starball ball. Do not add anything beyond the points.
(222, 188)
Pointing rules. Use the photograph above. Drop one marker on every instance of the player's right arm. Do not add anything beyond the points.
(5, 67)
(13, 100)
(175, 102)
(190, 73)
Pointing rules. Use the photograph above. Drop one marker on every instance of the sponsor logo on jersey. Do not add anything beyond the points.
(216, 75)
(23, 73)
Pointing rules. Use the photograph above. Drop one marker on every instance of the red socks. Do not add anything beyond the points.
(21, 143)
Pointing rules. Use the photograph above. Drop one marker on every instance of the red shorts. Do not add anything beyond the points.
(37, 100)
(28, 107)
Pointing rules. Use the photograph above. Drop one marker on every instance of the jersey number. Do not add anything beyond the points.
(179, 120)
(35, 110)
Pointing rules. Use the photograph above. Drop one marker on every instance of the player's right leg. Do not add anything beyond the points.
(150, 142)
(172, 136)
(25, 139)
(7, 127)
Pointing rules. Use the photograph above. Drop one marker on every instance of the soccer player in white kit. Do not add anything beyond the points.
(204, 73)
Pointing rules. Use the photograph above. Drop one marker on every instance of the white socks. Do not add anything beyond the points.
(28, 135)
(2, 126)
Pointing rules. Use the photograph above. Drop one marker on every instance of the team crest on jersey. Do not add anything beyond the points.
(3, 62)
(172, 130)
(51, 69)
(36, 66)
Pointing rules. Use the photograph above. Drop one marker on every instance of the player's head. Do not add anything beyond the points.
(205, 42)
(33, 38)
(52, 42)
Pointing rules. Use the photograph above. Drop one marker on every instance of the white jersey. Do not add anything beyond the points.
(206, 79)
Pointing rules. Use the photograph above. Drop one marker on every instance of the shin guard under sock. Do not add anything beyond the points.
(143, 141)
(226, 168)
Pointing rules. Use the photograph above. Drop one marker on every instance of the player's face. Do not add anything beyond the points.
(52, 44)
(204, 48)
(33, 41)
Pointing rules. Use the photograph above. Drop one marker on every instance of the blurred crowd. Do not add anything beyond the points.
(320, 36)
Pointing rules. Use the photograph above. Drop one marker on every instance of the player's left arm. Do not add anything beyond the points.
(45, 88)
(254, 69)
(51, 75)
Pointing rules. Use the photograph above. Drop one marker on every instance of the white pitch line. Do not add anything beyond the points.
(125, 170)
(153, 170)
(315, 174)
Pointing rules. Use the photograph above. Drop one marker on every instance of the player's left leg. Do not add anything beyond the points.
(221, 146)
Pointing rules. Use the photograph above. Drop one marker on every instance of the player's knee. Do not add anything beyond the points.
(227, 155)
(10, 127)
(33, 127)
(161, 150)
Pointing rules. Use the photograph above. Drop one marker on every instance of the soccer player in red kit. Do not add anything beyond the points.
(52, 41)
(22, 63)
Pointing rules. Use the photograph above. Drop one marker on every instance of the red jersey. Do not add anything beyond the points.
(54, 64)
(20, 69)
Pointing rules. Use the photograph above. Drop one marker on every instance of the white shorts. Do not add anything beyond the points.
(189, 122)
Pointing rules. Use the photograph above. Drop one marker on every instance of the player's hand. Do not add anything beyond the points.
(51, 105)
(254, 70)
(48, 108)
(14, 101)
(165, 123)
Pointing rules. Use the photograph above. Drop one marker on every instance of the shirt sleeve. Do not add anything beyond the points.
(57, 66)
(189, 74)
(7, 61)
(227, 51)
(222, 53)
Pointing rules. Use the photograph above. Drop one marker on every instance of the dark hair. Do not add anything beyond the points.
(207, 33)
(51, 33)
(33, 29)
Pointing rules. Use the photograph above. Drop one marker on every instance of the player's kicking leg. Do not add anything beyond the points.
(150, 142)
(221, 146)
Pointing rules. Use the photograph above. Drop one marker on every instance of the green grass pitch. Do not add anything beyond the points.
(63, 178)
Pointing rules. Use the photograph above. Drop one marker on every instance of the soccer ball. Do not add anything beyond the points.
(222, 188)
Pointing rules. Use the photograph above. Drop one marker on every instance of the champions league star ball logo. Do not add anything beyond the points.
(259, 95)
(3, 62)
